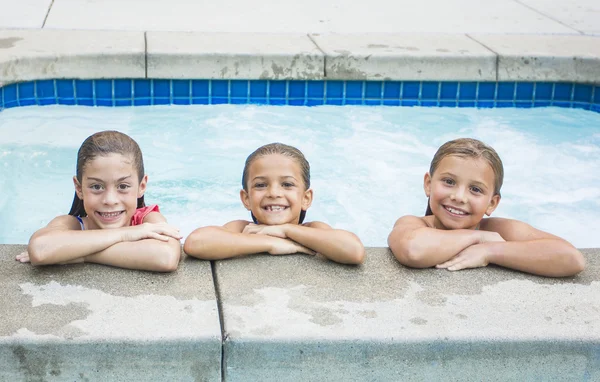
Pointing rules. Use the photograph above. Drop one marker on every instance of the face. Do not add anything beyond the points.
(276, 193)
(461, 192)
(109, 189)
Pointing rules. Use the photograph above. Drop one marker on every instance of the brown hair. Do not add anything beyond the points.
(281, 149)
(469, 148)
(103, 144)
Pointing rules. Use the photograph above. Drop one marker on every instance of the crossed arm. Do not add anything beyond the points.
(505, 242)
(152, 246)
(239, 238)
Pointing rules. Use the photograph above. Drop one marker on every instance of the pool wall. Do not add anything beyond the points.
(296, 317)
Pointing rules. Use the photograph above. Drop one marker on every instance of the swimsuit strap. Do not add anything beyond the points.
(80, 222)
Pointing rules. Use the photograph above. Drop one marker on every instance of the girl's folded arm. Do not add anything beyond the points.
(215, 243)
(530, 250)
(63, 241)
(417, 245)
(159, 255)
(335, 244)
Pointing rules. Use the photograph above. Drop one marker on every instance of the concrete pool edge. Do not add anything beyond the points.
(27, 55)
(295, 317)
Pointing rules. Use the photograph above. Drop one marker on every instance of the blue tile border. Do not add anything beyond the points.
(145, 92)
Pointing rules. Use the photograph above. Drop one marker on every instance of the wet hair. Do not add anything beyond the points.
(281, 149)
(105, 143)
(469, 148)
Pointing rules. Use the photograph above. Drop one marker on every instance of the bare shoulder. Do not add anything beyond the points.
(514, 230)
(412, 222)
(236, 225)
(64, 222)
(317, 224)
(155, 217)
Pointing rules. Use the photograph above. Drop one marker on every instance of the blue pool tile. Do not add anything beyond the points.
(524, 91)
(562, 92)
(334, 89)
(373, 102)
(466, 103)
(523, 104)
(486, 91)
(219, 89)
(429, 103)
(66, 101)
(542, 103)
(597, 94)
(182, 101)
(373, 89)
(391, 102)
(65, 88)
(258, 89)
(543, 91)
(504, 104)
(238, 100)
(296, 89)
(104, 102)
(506, 91)
(142, 89)
(219, 100)
(449, 91)
(123, 102)
(85, 101)
(10, 94)
(391, 89)
(259, 100)
(103, 90)
(314, 102)
(595, 108)
(429, 91)
(354, 89)
(333, 101)
(296, 102)
(354, 101)
(582, 105)
(200, 89)
(485, 104)
(122, 89)
(582, 93)
(161, 89)
(410, 90)
(239, 89)
(181, 89)
(448, 103)
(467, 91)
(200, 101)
(26, 93)
(316, 89)
(45, 89)
(277, 101)
(409, 103)
(561, 104)
(142, 101)
(161, 101)
(277, 89)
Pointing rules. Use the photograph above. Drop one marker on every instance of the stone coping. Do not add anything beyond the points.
(296, 318)
(53, 54)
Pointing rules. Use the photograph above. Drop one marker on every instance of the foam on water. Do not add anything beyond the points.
(367, 163)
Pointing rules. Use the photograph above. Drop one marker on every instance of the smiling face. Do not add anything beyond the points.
(461, 192)
(110, 189)
(276, 193)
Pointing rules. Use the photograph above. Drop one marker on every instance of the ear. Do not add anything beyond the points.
(142, 187)
(493, 204)
(307, 199)
(245, 198)
(427, 184)
(78, 188)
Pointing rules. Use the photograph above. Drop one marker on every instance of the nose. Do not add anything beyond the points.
(459, 195)
(110, 196)
(274, 191)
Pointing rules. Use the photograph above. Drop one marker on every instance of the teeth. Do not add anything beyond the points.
(455, 211)
(275, 208)
(110, 214)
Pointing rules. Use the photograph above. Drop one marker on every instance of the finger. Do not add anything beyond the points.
(158, 236)
(449, 263)
(308, 251)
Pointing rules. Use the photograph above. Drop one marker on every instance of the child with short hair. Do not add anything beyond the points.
(276, 190)
(463, 184)
(109, 222)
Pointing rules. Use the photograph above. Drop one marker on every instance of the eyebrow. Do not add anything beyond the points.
(475, 182)
(101, 180)
(281, 177)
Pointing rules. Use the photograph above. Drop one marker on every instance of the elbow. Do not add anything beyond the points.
(407, 254)
(356, 256)
(195, 243)
(576, 263)
(170, 260)
(37, 256)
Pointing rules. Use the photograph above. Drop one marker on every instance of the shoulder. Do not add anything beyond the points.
(236, 225)
(317, 224)
(514, 230)
(411, 221)
(148, 214)
(64, 222)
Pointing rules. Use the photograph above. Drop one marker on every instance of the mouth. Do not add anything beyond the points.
(109, 216)
(275, 208)
(456, 211)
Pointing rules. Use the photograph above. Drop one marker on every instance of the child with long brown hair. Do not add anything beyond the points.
(463, 185)
(109, 222)
(276, 190)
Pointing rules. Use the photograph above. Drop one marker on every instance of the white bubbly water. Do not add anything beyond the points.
(367, 163)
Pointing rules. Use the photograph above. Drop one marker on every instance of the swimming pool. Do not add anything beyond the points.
(367, 162)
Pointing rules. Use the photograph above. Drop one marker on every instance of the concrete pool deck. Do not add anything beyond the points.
(290, 318)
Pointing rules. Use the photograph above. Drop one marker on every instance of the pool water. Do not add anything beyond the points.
(367, 162)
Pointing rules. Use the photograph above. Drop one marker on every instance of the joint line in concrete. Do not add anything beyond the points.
(324, 55)
(47, 14)
(491, 50)
(548, 16)
(213, 269)
(146, 54)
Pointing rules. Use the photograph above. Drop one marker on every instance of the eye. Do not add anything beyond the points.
(288, 184)
(123, 187)
(260, 185)
(96, 187)
(476, 189)
(448, 181)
